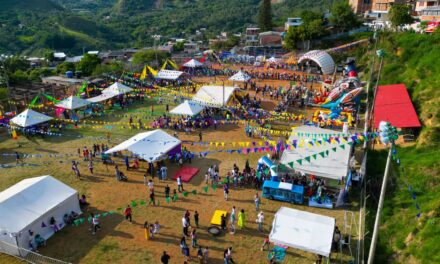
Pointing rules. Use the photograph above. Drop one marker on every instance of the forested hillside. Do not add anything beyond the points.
(31, 26)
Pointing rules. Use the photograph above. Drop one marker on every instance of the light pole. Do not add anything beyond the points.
(388, 135)
(156, 38)
(5, 77)
(381, 54)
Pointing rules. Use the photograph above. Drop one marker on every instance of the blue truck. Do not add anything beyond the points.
(283, 191)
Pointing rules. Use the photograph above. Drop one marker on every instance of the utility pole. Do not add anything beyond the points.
(156, 38)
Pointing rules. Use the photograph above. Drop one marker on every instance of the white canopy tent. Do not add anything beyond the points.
(29, 118)
(189, 108)
(240, 77)
(303, 230)
(72, 102)
(29, 204)
(193, 64)
(214, 96)
(272, 60)
(320, 57)
(150, 146)
(117, 89)
(334, 166)
(101, 97)
(168, 75)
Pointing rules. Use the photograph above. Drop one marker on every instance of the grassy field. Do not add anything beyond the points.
(122, 242)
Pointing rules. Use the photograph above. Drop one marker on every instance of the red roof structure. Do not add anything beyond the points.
(394, 105)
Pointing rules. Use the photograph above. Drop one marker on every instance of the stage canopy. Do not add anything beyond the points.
(214, 96)
(334, 166)
(72, 102)
(190, 108)
(303, 230)
(117, 89)
(240, 77)
(29, 204)
(322, 58)
(29, 118)
(168, 75)
(150, 146)
(193, 64)
(394, 105)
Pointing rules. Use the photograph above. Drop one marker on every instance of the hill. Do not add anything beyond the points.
(30, 5)
(414, 185)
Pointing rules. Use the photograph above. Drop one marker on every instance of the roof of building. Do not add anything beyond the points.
(394, 105)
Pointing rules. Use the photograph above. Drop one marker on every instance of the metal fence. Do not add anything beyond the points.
(27, 255)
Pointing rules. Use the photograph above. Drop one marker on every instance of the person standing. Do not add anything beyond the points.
(200, 136)
(165, 259)
(233, 217)
(179, 184)
(226, 191)
(242, 219)
(75, 169)
(127, 213)
(193, 238)
(185, 225)
(260, 220)
(206, 255)
(257, 202)
(164, 171)
(185, 248)
(196, 218)
(152, 198)
(200, 255)
(167, 191)
(147, 233)
(17, 158)
(91, 166)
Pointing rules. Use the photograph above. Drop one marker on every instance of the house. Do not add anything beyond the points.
(61, 81)
(361, 6)
(191, 47)
(252, 36)
(59, 56)
(74, 59)
(270, 38)
(292, 22)
(428, 10)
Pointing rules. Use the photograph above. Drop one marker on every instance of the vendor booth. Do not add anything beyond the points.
(27, 207)
(303, 230)
(151, 146)
(168, 75)
(72, 103)
(193, 64)
(240, 76)
(214, 96)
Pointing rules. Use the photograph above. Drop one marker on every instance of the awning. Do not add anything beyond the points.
(214, 96)
(193, 64)
(117, 89)
(29, 118)
(240, 77)
(168, 75)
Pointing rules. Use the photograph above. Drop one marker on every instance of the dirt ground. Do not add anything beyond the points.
(122, 242)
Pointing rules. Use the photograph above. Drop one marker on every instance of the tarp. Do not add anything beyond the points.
(29, 118)
(393, 104)
(32, 202)
(168, 75)
(322, 58)
(190, 108)
(117, 89)
(334, 166)
(240, 77)
(214, 96)
(72, 102)
(193, 64)
(150, 146)
(303, 230)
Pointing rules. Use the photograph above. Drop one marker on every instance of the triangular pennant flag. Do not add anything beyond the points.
(322, 154)
(342, 146)
(307, 158)
(133, 203)
(194, 192)
(214, 186)
(334, 149)
(290, 164)
(142, 202)
(168, 199)
(299, 161)
(43, 225)
(185, 193)
(205, 189)
(314, 156)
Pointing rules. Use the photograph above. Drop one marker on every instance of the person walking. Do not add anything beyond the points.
(233, 217)
(260, 220)
(164, 171)
(167, 191)
(95, 223)
(147, 233)
(206, 255)
(200, 255)
(200, 136)
(226, 191)
(193, 238)
(179, 184)
(127, 213)
(185, 248)
(75, 169)
(185, 225)
(165, 259)
(242, 219)
(152, 198)
(196, 218)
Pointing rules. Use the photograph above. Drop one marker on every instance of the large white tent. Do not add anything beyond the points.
(189, 108)
(334, 166)
(72, 102)
(303, 230)
(150, 146)
(193, 64)
(117, 89)
(29, 118)
(101, 97)
(29, 205)
(214, 96)
(168, 75)
(320, 57)
(240, 77)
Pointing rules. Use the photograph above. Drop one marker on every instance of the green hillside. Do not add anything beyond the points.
(30, 5)
(412, 59)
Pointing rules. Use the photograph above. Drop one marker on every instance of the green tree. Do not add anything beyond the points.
(113, 67)
(48, 55)
(65, 66)
(342, 16)
(88, 64)
(178, 46)
(400, 15)
(15, 63)
(311, 28)
(149, 57)
(265, 15)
